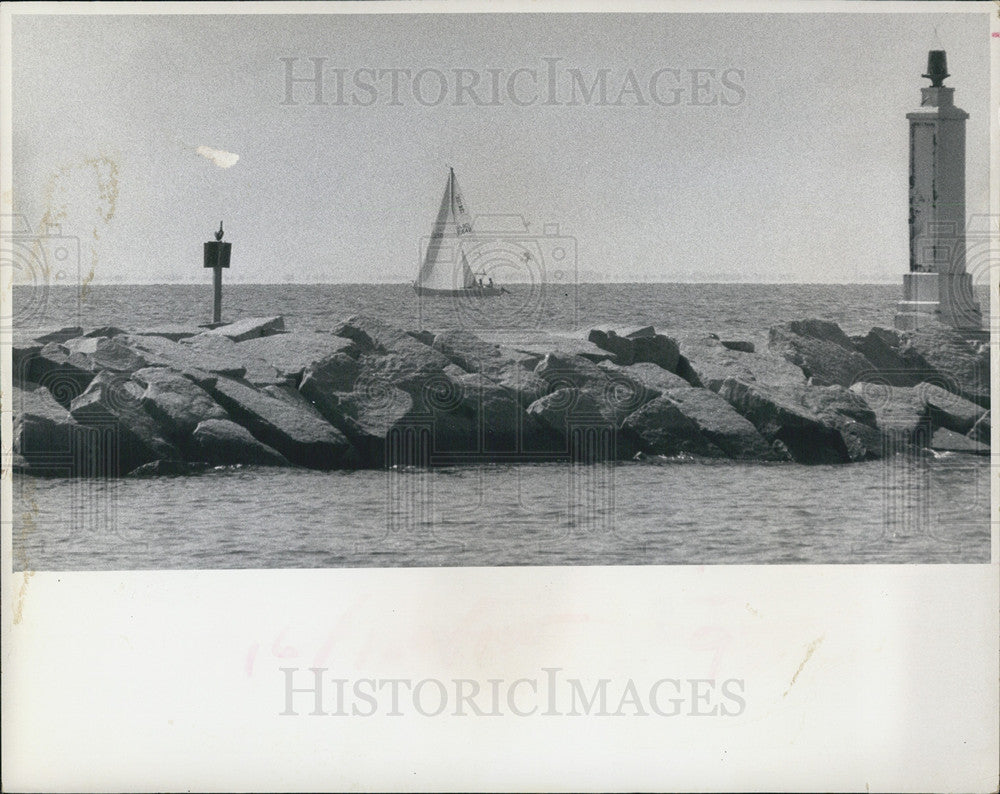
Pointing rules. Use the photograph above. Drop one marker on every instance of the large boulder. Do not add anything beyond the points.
(412, 371)
(501, 425)
(662, 428)
(106, 331)
(112, 354)
(23, 349)
(256, 370)
(52, 367)
(653, 378)
(372, 335)
(291, 354)
(945, 440)
(779, 417)
(901, 414)
(129, 436)
(473, 354)
(172, 332)
(336, 373)
(58, 335)
(188, 359)
(961, 365)
(822, 350)
(296, 433)
(884, 349)
(177, 404)
(706, 362)
(948, 410)
(582, 423)
(224, 443)
(539, 343)
(636, 345)
(850, 415)
(45, 435)
(248, 328)
(366, 415)
(720, 424)
(559, 371)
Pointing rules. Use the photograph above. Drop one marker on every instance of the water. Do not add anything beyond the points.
(667, 512)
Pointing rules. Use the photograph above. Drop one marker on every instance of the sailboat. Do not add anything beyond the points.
(445, 270)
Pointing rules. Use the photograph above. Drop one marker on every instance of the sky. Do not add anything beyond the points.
(125, 130)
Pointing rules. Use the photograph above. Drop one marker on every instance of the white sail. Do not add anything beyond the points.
(445, 266)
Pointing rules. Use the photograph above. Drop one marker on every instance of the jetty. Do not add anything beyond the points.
(367, 394)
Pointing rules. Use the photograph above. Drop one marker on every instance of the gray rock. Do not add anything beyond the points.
(176, 404)
(581, 422)
(249, 328)
(372, 335)
(851, 416)
(130, 437)
(291, 354)
(172, 332)
(44, 432)
(652, 377)
(822, 350)
(778, 416)
(52, 368)
(473, 354)
(105, 331)
(336, 373)
(257, 371)
(961, 364)
(22, 353)
(981, 431)
(413, 371)
(60, 335)
(636, 345)
(949, 410)
(185, 358)
(901, 413)
(720, 424)
(705, 362)
(295, 433)
(738, 345)
(224, 443)
(945, 440)
(112, 354)
(86, 345)
(367, 415)
(525, 384)
(539, 343)
(883, 348)
(560, 371)
(500, 423)
(292, 396)
(662, 428)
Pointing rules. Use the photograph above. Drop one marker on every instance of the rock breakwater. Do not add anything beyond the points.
(366, 394)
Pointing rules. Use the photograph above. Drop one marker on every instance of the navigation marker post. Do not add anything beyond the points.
(217, 257)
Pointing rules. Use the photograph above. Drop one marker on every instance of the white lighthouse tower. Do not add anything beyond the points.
(937, 288)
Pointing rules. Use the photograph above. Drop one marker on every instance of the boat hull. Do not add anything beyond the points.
(471, 292)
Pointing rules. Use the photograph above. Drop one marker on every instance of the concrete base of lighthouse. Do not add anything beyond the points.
(938, 298)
